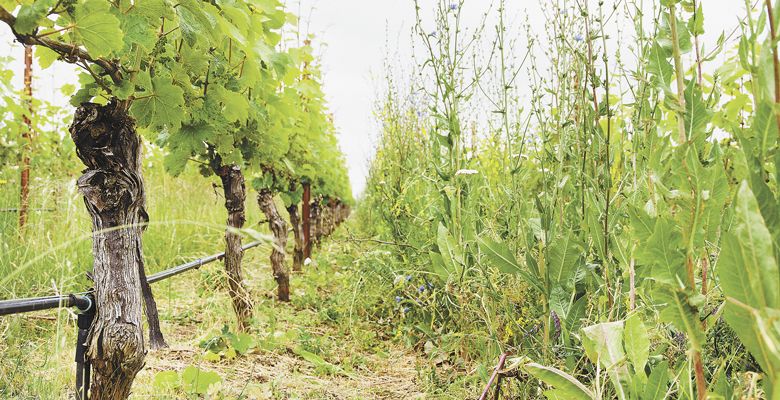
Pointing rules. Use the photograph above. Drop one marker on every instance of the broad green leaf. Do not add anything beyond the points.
(46, 57)
(562, 258)
(677, 311)
(195, 22)
(696, 23)
(450, 252)
(97, 29)
(138, 30)
(197, 381)
(235, 106)
(747, 269)
(637, 343)
(564, 384)
(438, 266)
(662, 250)
(503, 259)
(764, 128)
(30, 16)
(152, 10)
(161, 108)
(759, 331)
(658, 64)
(656, 387)
(603, 344)
(166, 380)
(242, 342)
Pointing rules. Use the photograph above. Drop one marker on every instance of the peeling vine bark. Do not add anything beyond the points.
(265, 199)
(295, 221)
(235, 196)
(113, 190)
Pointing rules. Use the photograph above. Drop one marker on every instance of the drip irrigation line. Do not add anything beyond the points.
(84, 301)
(32, 209)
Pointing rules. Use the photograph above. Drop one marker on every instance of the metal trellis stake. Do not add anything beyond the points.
(83, 369)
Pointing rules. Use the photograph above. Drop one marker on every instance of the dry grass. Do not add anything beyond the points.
(387, 373)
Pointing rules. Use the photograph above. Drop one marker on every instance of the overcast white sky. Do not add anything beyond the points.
(359, 34)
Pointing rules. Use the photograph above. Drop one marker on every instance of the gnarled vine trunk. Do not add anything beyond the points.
(265, 199)
(113, 190)
(235, 196)
(295, 221)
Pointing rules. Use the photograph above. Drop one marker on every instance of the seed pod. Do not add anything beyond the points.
(557, 324)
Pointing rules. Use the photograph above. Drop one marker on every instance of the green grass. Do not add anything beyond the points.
(342, 310)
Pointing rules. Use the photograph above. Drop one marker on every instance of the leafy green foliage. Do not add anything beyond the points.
(604, 199)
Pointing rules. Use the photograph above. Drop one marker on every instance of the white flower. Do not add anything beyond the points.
(307, 261)
(466, 172)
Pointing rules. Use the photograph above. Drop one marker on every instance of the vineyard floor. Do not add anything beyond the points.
(321, 345)
(342, 360)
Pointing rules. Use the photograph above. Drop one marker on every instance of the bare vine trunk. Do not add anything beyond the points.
(24, 190)
(265, 199)
(113, 190)
(295, 221)
(306, 211)
(235, 196)
(316, 216)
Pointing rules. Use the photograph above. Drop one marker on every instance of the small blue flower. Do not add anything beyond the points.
(408, 278)
(398, 299)
(453, 6)
(578, 37)
(421, 289)
(406, 309)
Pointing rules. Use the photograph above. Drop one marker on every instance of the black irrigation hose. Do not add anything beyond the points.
(17, 306)
(192, 265)
(83, 301)
(32, 209)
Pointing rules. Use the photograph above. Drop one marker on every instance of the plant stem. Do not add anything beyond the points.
(679, 71)
(775, 60)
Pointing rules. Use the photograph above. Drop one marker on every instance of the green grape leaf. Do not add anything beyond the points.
(137, 30)
(166, 380)
(46, 56)
(97, 29)
(198, 381)
(195, 22)
(235, 106)
(30, 16)
(162, 107)
(242, 342)
(153, 10)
